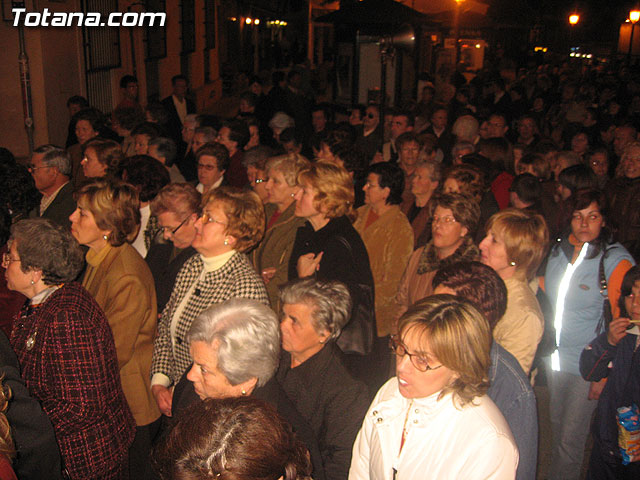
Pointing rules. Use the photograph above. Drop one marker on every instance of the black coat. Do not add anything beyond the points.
(61, 208)
(272, 393)
(333, 403)
(174, 125)
(338, 263)
(38, 455)
(165, 269)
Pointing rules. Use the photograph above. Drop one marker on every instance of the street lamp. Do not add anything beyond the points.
(574, 18)
(634, 16)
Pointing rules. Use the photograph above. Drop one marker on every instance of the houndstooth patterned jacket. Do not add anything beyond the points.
(237, 278)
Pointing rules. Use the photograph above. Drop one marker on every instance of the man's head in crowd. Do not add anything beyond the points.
(401, 122)
(50, 167)
(180, 85)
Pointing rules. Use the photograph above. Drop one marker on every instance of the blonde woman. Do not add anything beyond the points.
(434, 419)
(515, 244)
(271, 256)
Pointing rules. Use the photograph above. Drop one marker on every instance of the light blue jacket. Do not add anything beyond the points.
(583, 305)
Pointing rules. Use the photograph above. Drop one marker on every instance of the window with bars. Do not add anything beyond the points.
(101, 54)
(188, 21)
(156, 36)
(210, 25)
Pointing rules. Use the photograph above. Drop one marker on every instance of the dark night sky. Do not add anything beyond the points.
(598, 18)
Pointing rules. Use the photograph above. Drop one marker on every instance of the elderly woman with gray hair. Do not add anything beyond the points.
(66, 352)
(235, 347)
(312, 372)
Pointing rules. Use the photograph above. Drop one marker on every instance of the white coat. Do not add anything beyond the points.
(442, 441)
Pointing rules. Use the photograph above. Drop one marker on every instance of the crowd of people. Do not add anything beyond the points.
(307, 291)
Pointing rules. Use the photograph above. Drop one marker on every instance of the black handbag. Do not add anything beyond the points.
(358, 334)
(607, 316)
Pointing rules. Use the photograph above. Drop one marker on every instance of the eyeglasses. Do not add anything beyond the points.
(32, 168)
(206, 218)
(398, 348)
(448, 219)
(208, 168)
(7, 260)
(259, 180)
(371, 185)
(173, 232)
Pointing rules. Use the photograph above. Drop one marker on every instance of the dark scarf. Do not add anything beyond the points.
(429, 260)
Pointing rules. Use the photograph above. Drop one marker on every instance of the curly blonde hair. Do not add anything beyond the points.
(244, 212)
(334, 189)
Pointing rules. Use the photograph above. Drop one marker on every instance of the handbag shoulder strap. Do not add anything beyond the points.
(601, 274)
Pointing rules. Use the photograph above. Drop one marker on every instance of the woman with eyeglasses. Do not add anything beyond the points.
(454, 221)
(106, 219)
(232, 222)
(573, 278)
(177, 207)
(434, 419)
(67, 354)
(212, 161)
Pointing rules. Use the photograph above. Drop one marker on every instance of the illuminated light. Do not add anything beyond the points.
(572, 54)
(589, 56)
(477, 45)
(574, 18)
(248, 21)
(434, 38)
(256, 21)
(634, 15)
(233, 19)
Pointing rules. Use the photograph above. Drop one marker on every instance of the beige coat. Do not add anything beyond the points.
(275, 249)
(520, 329)
(389, 243)
(122, 285)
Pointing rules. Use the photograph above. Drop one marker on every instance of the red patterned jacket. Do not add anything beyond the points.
(68, 361)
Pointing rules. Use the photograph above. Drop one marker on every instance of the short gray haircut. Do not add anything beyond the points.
(209, 133)
(289, 165)
(248, 335)
(466, 128)
(281, 121)
(462, 146)
(435, 169)
(49, 247)
(330, 302)
(55, 157)
(166, 148)
(191, 118)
